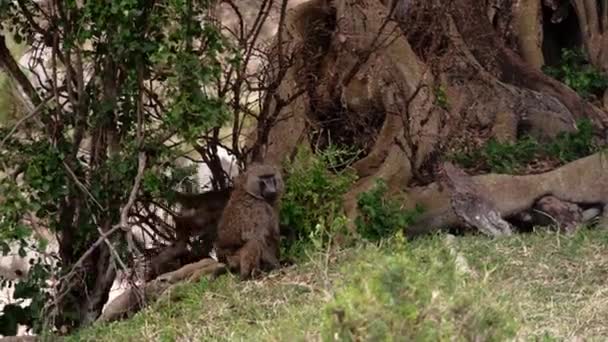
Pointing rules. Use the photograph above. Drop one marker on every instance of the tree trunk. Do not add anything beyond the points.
(593, 19)
(407, 90)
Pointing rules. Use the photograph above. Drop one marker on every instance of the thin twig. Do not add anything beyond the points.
(123, 266)
(81, 186)
(124, 215)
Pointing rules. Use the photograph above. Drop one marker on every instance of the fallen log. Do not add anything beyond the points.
(584, 181)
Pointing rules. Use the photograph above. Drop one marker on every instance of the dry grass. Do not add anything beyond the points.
(558, 283)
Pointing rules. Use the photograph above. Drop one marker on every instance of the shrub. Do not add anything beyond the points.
(381, 217)
(507, 157)
(311, 208)
(571, 146)
(158, 67)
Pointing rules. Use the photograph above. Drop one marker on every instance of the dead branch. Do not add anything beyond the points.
(20, 339)
(128, 303)
(10, 65)
(124, 214)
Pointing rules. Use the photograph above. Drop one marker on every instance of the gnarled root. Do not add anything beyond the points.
(584, 181)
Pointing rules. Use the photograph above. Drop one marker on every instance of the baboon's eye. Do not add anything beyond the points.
(262, 184)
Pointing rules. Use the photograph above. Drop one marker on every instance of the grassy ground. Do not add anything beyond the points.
(541, 286)
(557, 283)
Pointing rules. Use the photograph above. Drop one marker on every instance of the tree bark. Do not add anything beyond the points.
(593, 19)
(528, 22)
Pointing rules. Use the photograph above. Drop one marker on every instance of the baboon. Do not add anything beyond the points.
(248, 232)
(200, 216)
(199, 219)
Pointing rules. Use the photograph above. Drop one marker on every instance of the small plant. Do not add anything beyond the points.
(311, 206)
(570, 146)
(576, 72)
(509, 157)
(380, 217)
(441, 98)
(466, 159)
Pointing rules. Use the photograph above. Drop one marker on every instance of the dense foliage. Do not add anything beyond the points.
(124, 77)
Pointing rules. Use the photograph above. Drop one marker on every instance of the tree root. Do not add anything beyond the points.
(470, 204)
(134, 299)
(584, 181)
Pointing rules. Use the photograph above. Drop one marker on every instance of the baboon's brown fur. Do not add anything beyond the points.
(248, 232)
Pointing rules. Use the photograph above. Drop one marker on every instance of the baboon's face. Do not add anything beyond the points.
(268, 187)
(264, 182)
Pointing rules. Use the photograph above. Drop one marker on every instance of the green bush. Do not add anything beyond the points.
(311, 208)
(575, 71)
(381, 217)
(571, 146)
